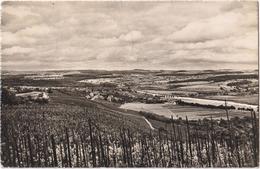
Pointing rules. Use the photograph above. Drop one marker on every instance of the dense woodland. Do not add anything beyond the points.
(72, 136)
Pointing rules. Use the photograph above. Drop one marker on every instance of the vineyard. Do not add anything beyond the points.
(73, 136)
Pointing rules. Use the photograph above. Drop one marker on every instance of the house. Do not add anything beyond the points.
(13, 90)
(109, 98)
(88, 97)
(34, 96)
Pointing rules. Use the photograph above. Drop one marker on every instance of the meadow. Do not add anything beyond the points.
(181, 111)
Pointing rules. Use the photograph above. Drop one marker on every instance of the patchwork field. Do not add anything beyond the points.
(179, 111)
(195, 113)
(248, 99)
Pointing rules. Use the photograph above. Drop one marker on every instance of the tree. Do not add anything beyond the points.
(8, 97)
(49, 90)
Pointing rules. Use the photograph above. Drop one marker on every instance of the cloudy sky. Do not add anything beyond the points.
(129, 35)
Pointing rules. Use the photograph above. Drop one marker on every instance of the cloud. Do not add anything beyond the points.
(36, 31)
(23, 11)
(231, 6)
(132, 36)
(221, 26)
(13, 39)
(17, 50)
(124, 35)
(247, 41)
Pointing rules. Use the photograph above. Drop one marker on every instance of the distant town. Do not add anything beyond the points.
(140, 86)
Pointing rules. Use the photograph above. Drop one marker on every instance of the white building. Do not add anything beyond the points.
(34, 95)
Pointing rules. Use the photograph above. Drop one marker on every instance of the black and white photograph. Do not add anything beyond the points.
(129, 84)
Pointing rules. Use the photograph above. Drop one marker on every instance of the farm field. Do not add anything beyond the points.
(213, 102)
(196, 113)
(180, 111)
(248, 99)
(99, 81)
(207, 87)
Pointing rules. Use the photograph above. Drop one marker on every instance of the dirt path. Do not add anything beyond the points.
(148, 122)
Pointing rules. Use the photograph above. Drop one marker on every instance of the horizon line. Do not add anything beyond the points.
(123, 70)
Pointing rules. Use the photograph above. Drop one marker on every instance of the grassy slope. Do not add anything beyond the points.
(62, 98)
(157, 121)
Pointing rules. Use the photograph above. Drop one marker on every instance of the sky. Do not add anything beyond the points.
(129, 35)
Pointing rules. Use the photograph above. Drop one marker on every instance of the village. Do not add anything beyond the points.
(148, 88)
